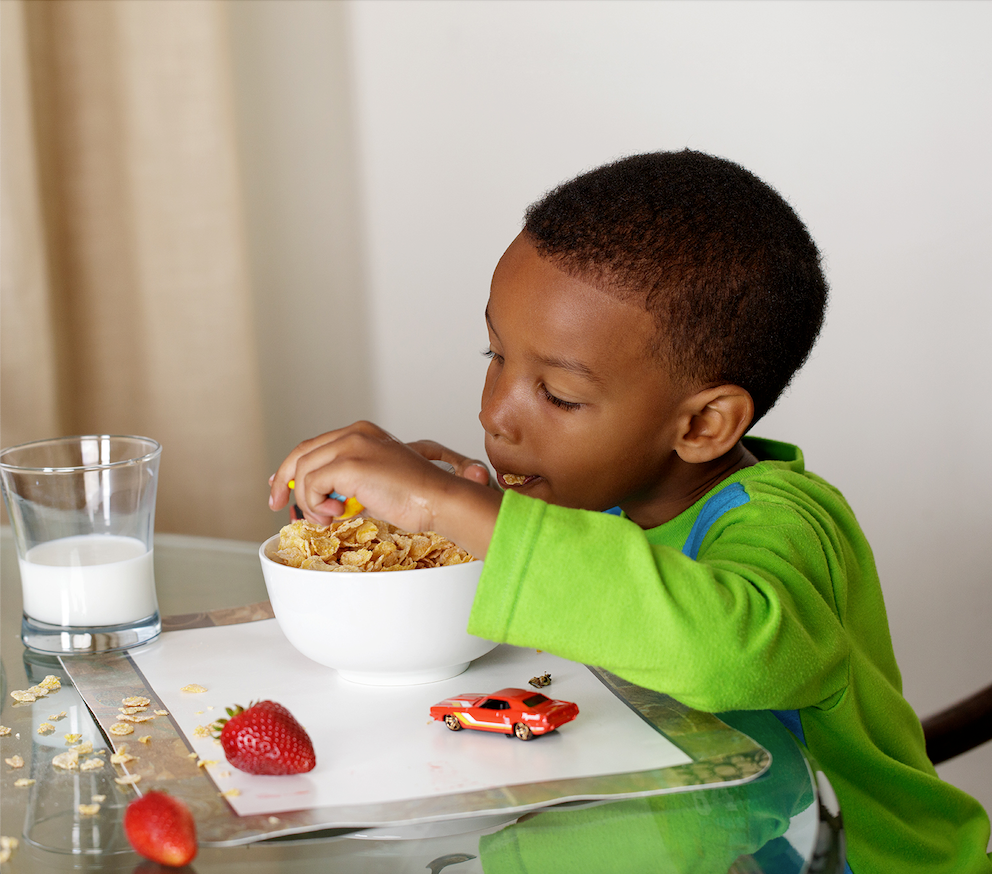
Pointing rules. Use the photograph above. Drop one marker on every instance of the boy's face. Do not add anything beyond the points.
(577, 410)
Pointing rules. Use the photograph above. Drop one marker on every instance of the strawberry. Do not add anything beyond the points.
(161, 828)
(266, 739)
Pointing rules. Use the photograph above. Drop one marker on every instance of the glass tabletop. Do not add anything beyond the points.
(783, 822)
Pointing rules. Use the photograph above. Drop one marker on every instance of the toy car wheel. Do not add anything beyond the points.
(522, 731)
(452, 722)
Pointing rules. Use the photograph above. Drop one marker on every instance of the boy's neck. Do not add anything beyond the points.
(686, 484)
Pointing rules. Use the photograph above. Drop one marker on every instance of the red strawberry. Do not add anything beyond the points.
(161, 828)
(266, 739)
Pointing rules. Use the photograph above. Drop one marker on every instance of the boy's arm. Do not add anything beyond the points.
(753, 625)
(394, 481)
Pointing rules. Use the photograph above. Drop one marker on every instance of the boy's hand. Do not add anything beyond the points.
(394, 481)
(470, 468)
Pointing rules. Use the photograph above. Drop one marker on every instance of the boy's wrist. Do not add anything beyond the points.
(466, 513)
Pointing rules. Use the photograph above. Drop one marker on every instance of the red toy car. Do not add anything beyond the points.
(510, 711)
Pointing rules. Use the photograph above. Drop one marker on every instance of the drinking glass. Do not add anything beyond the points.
(82, 511)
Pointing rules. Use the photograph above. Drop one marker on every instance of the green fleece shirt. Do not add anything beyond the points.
(781, 610)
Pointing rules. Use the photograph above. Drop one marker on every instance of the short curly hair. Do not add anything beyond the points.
(723, 263)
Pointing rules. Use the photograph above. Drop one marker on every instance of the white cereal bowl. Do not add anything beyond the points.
(394, 628)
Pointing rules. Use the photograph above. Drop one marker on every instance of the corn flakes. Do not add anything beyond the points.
(364, 544)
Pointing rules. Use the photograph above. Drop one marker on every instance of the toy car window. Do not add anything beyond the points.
(494, 704)
(534, 700)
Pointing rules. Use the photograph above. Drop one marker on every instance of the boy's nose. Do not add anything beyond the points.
(496, 415)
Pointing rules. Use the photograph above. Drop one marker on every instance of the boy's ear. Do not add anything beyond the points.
(716, 419)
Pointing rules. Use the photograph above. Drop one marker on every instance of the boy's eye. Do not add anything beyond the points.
(558, 402)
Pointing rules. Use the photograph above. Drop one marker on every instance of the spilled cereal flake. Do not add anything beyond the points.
(67, 761)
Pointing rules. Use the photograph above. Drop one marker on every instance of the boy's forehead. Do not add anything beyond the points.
(564, 307)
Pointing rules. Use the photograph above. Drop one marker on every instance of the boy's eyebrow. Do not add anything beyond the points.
(571, 365)
(560, 362)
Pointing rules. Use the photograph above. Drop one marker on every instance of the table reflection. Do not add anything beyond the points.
(775, 823)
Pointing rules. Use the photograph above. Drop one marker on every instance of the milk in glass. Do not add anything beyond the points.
(90, 580)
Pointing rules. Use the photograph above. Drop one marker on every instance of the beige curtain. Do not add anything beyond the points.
(125, 293)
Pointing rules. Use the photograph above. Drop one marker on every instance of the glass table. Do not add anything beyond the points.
(783, 822)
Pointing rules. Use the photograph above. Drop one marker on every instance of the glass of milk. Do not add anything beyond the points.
(82, 511)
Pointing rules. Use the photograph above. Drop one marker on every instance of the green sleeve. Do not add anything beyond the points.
(592, 588)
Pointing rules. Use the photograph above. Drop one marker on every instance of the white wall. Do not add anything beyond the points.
(872, 118)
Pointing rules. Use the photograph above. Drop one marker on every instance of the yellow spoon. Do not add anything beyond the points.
(351, 506)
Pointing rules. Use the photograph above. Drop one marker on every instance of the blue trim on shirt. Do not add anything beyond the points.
(790, 719)
(726, 499)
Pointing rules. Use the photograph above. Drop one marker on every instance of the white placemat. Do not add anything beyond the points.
(378, 744)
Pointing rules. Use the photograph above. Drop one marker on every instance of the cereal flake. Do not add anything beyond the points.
(67, 761)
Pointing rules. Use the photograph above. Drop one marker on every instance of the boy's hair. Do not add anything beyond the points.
(722, 262)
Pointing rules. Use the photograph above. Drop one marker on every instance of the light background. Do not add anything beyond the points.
(436, 123)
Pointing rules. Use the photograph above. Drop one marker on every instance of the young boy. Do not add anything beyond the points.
(650, 312)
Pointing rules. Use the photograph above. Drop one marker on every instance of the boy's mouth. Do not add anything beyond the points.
(515, 480)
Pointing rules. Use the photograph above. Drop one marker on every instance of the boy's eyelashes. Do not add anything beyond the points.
(558, 402)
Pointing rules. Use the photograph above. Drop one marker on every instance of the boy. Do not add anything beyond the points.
(648, 314)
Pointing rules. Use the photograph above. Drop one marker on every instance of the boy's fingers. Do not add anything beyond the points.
(433, 451)
(470, 468)
(477, 472)
(279, 482)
